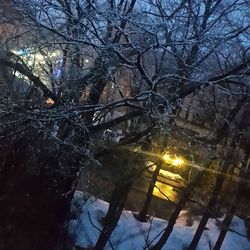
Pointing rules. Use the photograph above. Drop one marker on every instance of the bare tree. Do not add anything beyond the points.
(163, 50)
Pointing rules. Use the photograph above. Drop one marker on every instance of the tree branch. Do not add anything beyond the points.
(215, 80)
(11, 60)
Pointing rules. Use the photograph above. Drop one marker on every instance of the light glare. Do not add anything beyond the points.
(166, 157)
(178, 161)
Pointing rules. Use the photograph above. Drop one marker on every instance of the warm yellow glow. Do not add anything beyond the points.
(170, 175)
(164, 173)
(164, 191)
(166, 157)
(49, 101)
(151, 165)
(177, 161)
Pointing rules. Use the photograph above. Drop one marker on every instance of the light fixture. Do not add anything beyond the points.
(177, 161)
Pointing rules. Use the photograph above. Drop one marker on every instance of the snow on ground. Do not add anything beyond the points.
(132, 234)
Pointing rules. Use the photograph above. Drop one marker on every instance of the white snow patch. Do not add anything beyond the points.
(132, 234)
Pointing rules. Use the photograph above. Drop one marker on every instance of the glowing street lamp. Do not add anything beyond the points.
(177, 161)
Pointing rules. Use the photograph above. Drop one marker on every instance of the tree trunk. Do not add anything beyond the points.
(210, 207)
(116, 205)
(143, 213)
(176, 213)
(230, 213)
(225, 225)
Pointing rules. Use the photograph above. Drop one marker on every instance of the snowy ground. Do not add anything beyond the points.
(132, 234)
